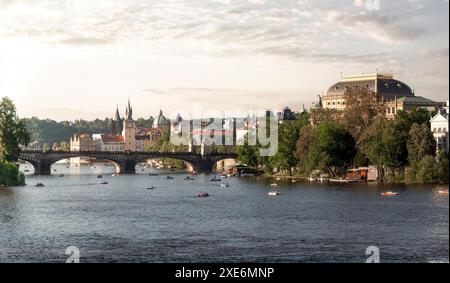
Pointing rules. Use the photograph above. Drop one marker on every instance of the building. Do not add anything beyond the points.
(82, 142)
(129, 129)
(394, 94)
(117, 124)
(286, 115)
(161, 122)
(439, 127)
(109, 143)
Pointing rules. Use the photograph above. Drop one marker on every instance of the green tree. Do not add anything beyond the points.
(333, 149)
(420, 143)
(247, 154)
(13, 132)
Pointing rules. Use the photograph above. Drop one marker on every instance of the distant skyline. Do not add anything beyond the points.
(68, 60)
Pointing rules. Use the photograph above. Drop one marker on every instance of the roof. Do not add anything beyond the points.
(385, 86)
(111, 139)
(418, 100)
(160, 121)
(440, 117)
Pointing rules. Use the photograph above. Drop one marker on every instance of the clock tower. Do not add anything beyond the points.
(129, 129)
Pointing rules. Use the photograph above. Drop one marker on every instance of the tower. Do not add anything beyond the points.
(129, 129)
(117, 126)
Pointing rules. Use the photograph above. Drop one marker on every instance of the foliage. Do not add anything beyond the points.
(288, 135)
(420, 143)
(13, 132)
(362, 108)
(247, 154)
(428, 170)
(332, 150)
(10, 175)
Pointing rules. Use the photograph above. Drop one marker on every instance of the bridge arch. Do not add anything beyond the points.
(190, 164)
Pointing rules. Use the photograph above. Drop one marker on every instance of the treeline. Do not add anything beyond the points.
(13, 133)
(328, 142)
(46, 133)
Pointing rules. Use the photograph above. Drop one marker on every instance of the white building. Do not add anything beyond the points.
(439, 127)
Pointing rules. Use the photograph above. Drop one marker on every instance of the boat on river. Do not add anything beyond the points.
(274, 185)
(389, 194)
(39, 185)
(442, 192)
(274, 193)
(170, 178)
(103, 182)
(225, 185)
(151, 187)
(203, 195)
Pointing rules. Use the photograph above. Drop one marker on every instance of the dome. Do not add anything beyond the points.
(160, 121)
(388, 88)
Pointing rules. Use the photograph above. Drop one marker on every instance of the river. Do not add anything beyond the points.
(124, 222)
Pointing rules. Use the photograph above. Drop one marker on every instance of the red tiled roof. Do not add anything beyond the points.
(109, 138)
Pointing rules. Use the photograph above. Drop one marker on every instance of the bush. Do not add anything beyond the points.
(10, 175)
(428, 171)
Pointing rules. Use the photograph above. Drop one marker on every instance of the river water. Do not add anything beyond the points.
(125, 222)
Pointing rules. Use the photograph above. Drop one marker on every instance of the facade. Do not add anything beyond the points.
(129, 130)
(394, 94)
(439, 126)
(82, 142)
(109, 143)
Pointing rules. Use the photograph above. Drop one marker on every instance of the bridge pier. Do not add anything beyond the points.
(43, 167)
(203, 166)
(128, 166)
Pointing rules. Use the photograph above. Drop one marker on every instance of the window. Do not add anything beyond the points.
(439, 130)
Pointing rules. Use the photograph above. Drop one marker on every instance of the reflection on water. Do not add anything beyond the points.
(124, 222)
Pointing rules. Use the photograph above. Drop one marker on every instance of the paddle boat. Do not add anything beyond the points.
(389, 194)
(274, 193)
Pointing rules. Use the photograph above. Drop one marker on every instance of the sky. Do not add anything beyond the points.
(78, 59)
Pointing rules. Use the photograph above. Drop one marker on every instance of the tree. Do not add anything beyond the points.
(362, 107)
(304, 143)
(13, 132)
(420, 143)
(247, 154)
(333, 149)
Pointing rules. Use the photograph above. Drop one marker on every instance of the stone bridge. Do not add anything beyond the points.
(124, 161)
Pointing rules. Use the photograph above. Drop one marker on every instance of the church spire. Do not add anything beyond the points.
(117, 118)
(129, 111)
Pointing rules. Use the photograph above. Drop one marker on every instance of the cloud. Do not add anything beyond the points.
(379, 27)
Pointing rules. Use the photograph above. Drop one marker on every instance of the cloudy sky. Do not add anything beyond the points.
(71, 59)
